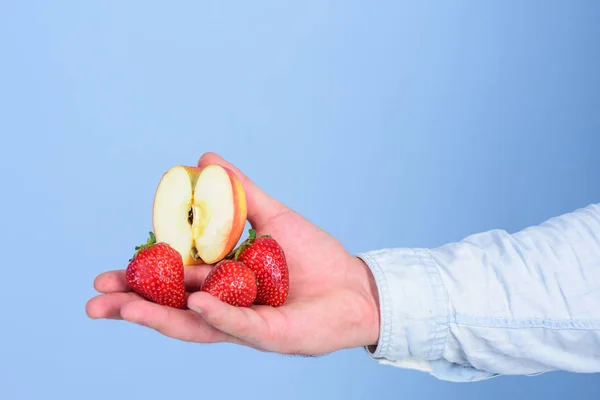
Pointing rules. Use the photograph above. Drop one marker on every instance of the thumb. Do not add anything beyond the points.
(242, 323)
(261, 206)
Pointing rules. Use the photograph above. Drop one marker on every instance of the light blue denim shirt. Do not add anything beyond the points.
(494, 303)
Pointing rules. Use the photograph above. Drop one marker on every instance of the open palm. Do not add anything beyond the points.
(332, 302)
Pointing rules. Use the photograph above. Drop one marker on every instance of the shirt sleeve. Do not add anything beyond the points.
(494, 303)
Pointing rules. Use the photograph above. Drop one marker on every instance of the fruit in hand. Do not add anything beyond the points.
(232, 282)
(266, 258)
(156, 273)
(200, 212)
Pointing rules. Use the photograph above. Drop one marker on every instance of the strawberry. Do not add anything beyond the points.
(156, 273)
(266, 258)
(232, 282)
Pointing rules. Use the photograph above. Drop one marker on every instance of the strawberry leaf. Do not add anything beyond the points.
(151, 241)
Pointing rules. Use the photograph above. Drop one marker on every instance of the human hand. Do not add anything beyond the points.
(332, 303)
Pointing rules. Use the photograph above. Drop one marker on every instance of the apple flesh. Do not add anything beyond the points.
(200, 212)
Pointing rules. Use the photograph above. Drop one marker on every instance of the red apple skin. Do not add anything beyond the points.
(239, 216)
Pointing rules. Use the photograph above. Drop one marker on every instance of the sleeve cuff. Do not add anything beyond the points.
(414, 307)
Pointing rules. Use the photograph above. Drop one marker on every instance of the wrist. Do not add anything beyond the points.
(370, 293)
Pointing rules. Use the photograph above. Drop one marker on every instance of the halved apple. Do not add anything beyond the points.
(200, 212)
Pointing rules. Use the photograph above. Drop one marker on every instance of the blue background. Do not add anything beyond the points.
(387, 123)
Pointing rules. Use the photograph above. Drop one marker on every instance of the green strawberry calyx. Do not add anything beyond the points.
(245, 244)
(149, 243)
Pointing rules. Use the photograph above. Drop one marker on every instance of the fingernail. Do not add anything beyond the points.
(196, 309)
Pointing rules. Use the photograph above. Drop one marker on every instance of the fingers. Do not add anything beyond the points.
(179, 324)
(241, 322)
(111, 281)
(114, 281)
(209, 320)
(184, 325)
(261, 206)
(109, 305)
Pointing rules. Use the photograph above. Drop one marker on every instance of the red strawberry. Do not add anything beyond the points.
(231, 282)
(156, 273)
(266, 258)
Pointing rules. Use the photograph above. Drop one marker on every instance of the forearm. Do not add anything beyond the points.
(494, 303)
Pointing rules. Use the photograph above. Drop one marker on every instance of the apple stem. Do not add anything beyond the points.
(149, 243)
